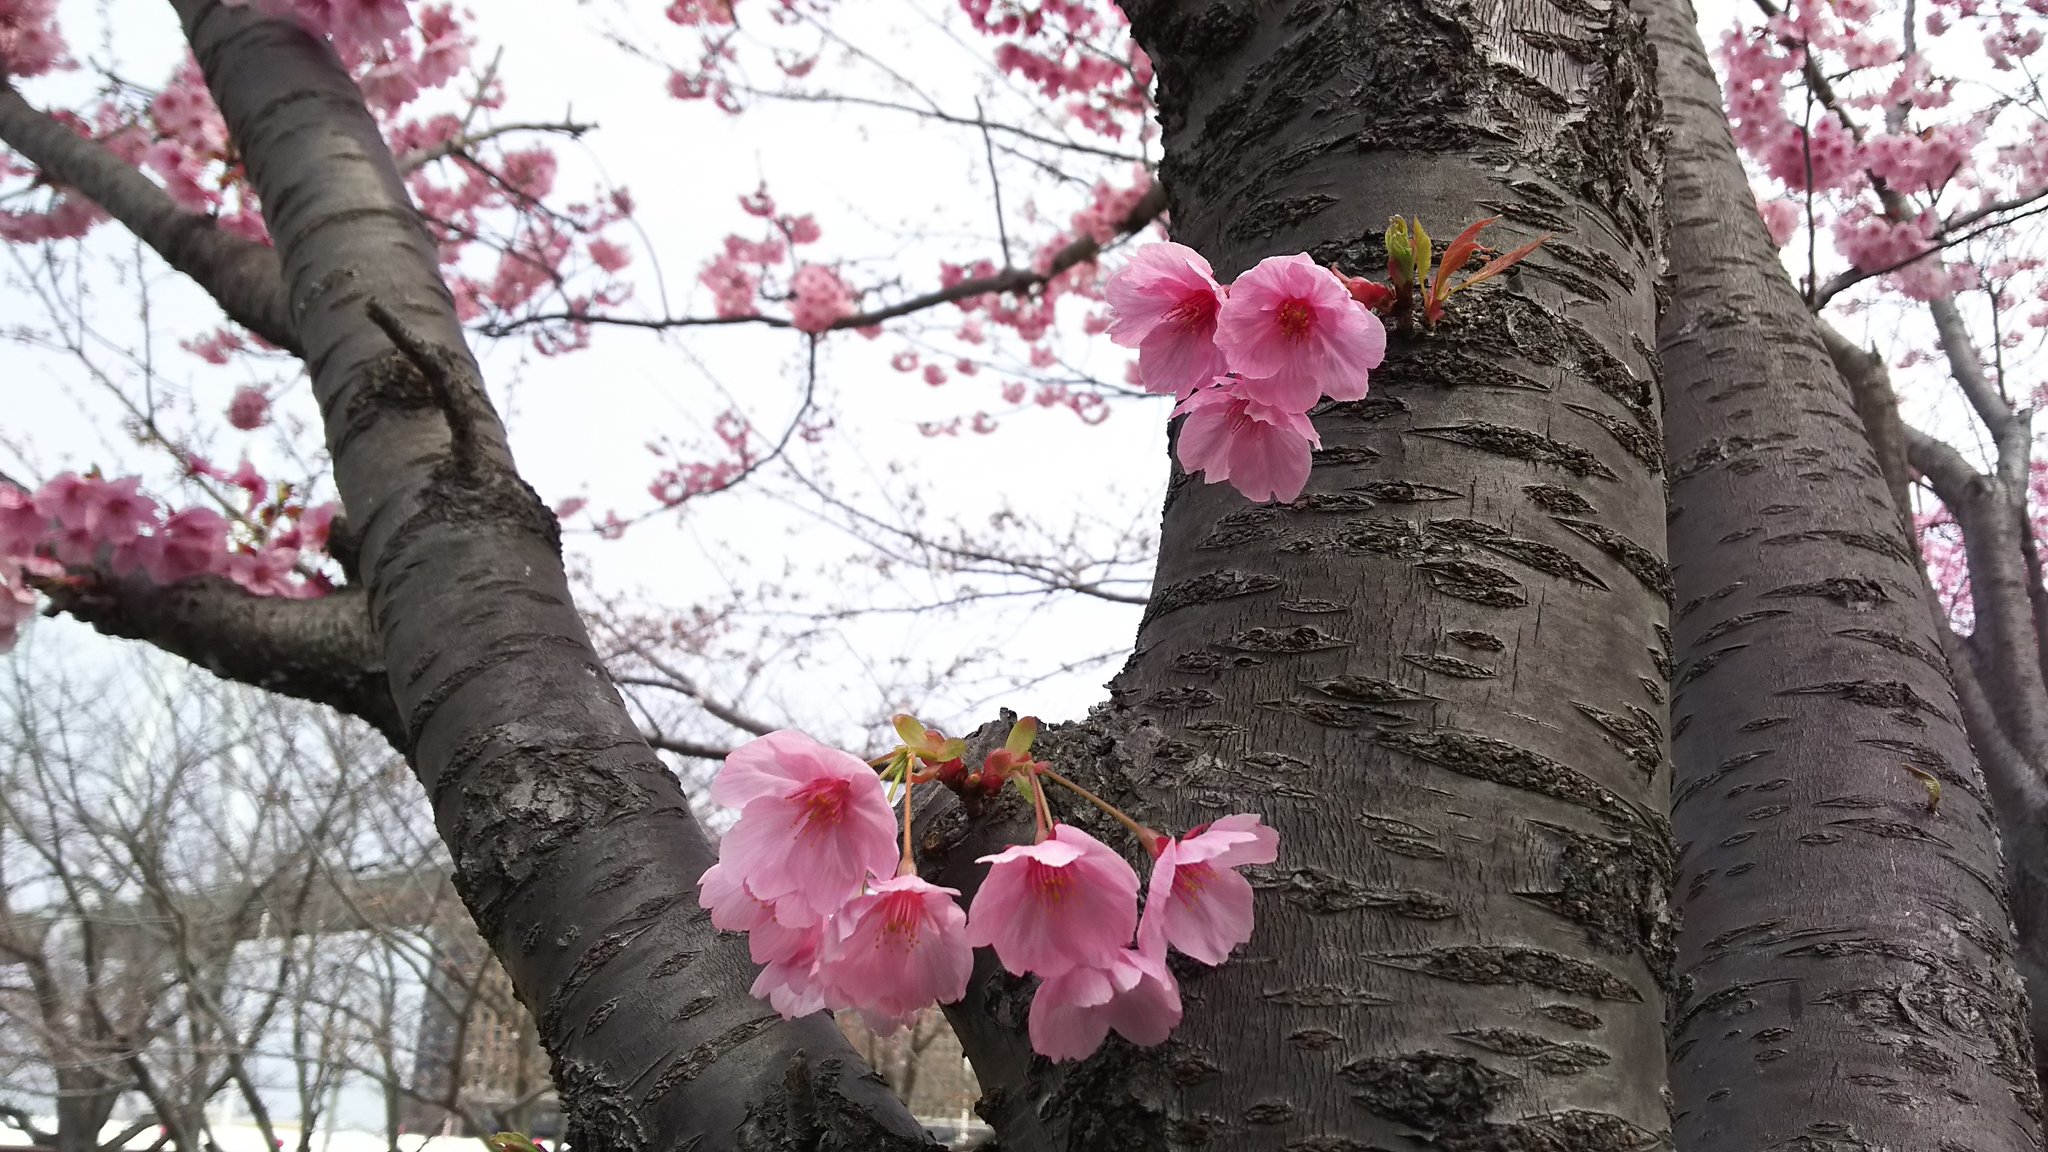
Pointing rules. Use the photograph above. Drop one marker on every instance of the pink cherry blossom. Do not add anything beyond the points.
(21, 525)
(774, 764)
(1061, 903)
(1135, 994)
(95, 510)
(821, 299)
(1264, 451)
(1783, 218)
(1195, 899)
(1292, 330)
(899, 948)
(1166, 300)
(790, 982)
(30, 44)
(190, 539)
(66, 498)
(814, 822)
(722, 893)
(609, 256)
(250, 408)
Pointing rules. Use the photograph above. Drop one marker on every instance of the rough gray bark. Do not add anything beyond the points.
(241, 275)
(1846, 970)
(1439, 673)
(573, 846)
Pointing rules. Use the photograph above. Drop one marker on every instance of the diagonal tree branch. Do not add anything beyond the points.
(241, 275)
(458, 145)
(1149, 208)
(573, 845)
(1998, 589)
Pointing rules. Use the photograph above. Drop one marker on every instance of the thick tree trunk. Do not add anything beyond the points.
(574, 848)
(1440, 673)
(1846, 975)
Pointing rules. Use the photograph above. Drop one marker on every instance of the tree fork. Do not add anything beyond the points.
(1437, 673)
(573, 846)
(1846, 970)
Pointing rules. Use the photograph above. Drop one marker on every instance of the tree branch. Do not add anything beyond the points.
(419, 158)
(573, 845)
(19, 1120)
(241, 275)
(1998, 589)
(688, 747)
(1080, 251)
(320, 650)
(2008, 428)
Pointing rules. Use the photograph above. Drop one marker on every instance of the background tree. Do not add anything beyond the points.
(1898, 159)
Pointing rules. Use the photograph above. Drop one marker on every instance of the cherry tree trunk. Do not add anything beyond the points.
(573, 846)
(1440, 673)
(1845, 973)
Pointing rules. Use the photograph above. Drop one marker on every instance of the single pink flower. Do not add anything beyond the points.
(790, 982)
(67, 498)
(899, 948)
(1072, 1013)
(317, 524)
(22, 527)
(1166, 301)
(120, 511)
(189, 543)
(814, 822)
(775, 764)
(1062, 903)
(1292, 330)
(248, 479)
(1264, 451)
(774, 943)
(1196, 900)
(818, 299)
(722, 893)
(249, 409)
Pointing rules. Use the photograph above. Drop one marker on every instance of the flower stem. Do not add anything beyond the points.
(907, 866)
(1041, 812)
(1145, 835)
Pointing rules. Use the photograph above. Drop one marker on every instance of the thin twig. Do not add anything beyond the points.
(995, 183)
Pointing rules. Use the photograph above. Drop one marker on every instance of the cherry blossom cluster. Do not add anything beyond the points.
(835, 912)
(1246, 361)
(1080, 50)
(1888, 124)
(507, 244)
(30, 44)
(742, 276)
(91, 523)
(1076, 52)
(682, 478)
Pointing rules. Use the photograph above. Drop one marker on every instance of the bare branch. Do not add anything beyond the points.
(241, 275)
(1079, 251)
(421, 157)
(688, 748)
(2009, 429)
